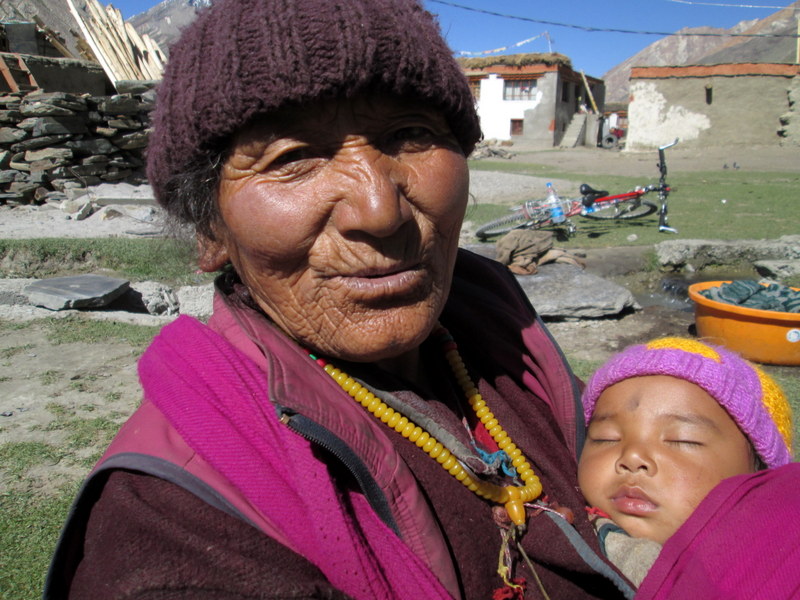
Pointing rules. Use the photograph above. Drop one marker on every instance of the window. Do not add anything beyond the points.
(516, 126)
(519, 89)
(475, 88)
(709, 94)
(565, 91)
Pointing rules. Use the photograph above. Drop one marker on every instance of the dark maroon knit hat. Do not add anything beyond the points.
(242, 58)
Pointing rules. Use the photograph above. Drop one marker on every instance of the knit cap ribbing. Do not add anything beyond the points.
(244, 58)
(750, 396)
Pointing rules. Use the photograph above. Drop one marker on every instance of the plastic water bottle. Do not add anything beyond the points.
(554, 203)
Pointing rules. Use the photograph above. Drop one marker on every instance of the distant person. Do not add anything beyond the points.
(667, 422)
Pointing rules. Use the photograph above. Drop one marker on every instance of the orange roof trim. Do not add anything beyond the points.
(728, 70)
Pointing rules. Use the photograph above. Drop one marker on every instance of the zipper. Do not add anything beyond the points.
(322, 437)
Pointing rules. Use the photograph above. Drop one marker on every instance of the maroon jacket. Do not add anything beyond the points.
(521, 374)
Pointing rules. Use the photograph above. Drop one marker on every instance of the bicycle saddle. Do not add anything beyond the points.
(589, 194)
(587, 190)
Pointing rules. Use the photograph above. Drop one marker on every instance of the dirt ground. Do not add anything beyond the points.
(46, 389)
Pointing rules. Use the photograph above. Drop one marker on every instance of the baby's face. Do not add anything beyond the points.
(655, 447)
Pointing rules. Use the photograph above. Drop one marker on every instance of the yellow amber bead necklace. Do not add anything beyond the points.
(513, 497)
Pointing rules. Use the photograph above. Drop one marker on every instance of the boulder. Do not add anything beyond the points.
(75, 291)
(563, 291)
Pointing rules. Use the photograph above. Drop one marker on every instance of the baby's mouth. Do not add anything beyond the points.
(633, 501)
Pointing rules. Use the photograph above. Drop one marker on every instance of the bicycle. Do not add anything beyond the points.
(592, 204)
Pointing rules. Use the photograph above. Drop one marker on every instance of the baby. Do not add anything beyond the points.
(667, 421)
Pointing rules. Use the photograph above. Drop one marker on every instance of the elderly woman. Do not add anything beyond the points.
(370, 412)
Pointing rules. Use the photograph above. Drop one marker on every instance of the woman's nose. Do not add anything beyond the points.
(635, 458)
(372, 195)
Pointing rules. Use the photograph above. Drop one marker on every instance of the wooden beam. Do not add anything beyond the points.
(120, 50)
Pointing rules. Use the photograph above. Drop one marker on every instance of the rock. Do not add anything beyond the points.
(59, 99)
(156, 298)
(125, 123)
(58, 125)
(9, 135)
(119, 105)
(196, 300)
(9, 175)
(778, 269)
(130, 141)
(18, 162)
(92, 146)
(675, 254)
(83, 212)
(40, 142)
(72, 205)
(10, 116)
(58, 154)
(121, 193)
(107, 213)
(563, 291)
(42, 109)
(75, 291)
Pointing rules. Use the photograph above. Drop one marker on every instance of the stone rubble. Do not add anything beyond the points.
(57, 142)
(692, 255)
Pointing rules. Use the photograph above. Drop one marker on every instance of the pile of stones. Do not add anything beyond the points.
(54, 142)
(492, 149)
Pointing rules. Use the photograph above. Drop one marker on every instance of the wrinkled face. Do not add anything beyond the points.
(343, 222)
(655, 447)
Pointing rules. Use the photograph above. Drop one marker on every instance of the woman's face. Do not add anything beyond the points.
(343, 220)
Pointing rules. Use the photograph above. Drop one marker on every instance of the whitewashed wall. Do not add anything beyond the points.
(496, 113)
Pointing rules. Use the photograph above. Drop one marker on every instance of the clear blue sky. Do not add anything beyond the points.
(592, 52)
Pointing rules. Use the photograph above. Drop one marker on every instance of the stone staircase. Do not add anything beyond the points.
(574, 134)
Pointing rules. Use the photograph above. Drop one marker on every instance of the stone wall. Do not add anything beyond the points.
(56, 141)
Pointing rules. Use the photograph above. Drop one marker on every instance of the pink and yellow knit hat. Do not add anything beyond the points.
(751, 397)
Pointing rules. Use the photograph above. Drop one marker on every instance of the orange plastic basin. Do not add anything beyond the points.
(764, 336)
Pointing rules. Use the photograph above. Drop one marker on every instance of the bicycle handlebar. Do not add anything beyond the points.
(670, 145)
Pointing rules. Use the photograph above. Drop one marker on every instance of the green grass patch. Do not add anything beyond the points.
(757, 205)
(6, 353)
(75, 328)
(50, 377)
(14, 326)
(83, 432)
(789, 380)
(583, 368)
(29, 530)
(16, 458)
(165, 260)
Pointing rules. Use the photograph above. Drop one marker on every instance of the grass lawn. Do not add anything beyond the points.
(757, 206)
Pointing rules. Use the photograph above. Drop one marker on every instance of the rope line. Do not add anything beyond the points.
(612, 30)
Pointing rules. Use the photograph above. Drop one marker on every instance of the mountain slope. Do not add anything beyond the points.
(676, 50)
(165, 21)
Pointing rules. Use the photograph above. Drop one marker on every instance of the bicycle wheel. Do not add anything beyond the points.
(622, 211)
(502, 225)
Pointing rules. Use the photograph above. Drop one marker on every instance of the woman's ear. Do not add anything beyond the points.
(212, 255)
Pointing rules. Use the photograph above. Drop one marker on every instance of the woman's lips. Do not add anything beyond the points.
(382, 282)
(633, 501)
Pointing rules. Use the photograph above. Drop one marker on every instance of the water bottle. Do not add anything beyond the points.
(554, 203)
